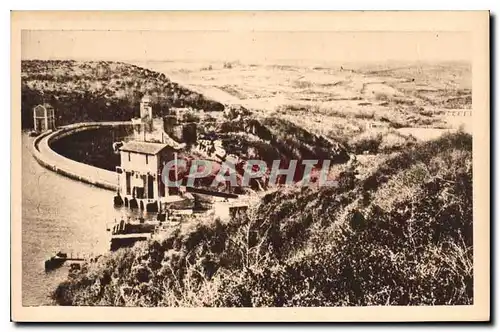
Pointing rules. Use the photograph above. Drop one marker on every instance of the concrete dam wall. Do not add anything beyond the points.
(47, 157)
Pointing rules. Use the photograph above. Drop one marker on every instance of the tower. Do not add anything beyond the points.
(144, 124)
(146, 113)
(44, 118)
(146, 110)
(149, 126)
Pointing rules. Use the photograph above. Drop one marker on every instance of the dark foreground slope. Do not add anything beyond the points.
(401, 235)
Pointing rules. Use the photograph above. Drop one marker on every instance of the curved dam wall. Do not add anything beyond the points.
(50, 159)
(94, 146)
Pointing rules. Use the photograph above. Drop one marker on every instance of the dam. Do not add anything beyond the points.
(62, 214)
(46, 156)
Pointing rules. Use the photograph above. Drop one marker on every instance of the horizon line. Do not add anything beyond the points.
(246, 61)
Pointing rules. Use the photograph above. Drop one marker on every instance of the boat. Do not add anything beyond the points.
(61, 254)
(58, 259)
(55, 261)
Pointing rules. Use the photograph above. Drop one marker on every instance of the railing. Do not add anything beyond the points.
(458, 113)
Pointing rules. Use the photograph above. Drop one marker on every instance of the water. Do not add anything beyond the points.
(57, 214)
(94, 147)
(425, 134)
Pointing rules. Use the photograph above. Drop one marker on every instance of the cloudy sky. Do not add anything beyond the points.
(246, 46)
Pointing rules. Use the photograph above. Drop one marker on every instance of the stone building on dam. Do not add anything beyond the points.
(142, 159)
(140, 174)
(157, 140)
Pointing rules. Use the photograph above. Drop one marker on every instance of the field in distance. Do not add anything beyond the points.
(331, 99)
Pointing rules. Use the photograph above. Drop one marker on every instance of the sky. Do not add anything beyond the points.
(246, 46)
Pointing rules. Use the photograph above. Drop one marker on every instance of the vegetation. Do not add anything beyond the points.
(272, 138)
(379, 142)
(396, 231)
(399, 235)
(99, 91)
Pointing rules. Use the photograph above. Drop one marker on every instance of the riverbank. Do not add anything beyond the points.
(58, 214)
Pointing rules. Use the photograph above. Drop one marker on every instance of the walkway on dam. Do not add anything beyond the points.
(50, 159)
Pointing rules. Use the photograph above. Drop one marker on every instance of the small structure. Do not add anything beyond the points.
(146, 109)
(143, 125)
(150, 126)
(185, 133)
(179, 127)
(44, 118)
(140, 174)
(376, 125)
(59, 259)
(228, 209)
(458, 112)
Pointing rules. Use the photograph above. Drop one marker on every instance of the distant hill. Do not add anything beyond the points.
(99, 91)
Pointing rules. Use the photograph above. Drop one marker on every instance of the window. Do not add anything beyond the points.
(127, 182)
(129, 156)
(146, 159)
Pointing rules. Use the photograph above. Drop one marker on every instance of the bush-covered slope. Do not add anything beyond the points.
(271, 138)
(99, 91)
(401, 235)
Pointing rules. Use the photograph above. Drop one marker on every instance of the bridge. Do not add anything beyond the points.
(456, 112)
(50, 159)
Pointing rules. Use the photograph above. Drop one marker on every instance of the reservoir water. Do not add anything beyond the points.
(58, 214)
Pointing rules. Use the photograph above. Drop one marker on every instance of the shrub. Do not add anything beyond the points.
(402, 236)
(75, 101)
(368, 141)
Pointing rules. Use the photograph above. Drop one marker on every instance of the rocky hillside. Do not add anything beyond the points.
(400, 235)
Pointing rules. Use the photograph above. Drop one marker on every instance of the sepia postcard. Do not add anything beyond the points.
(250, 166)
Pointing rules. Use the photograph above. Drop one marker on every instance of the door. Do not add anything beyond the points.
(127, 182)
(161, 188)
(150, 186)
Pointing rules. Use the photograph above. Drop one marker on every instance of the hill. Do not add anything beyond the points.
(341, 101)
(399, 235)
(99, 91)
(103, 90)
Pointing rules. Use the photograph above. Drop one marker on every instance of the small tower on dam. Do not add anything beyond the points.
(149, 126)
(44, 118)
(143, 125)
(146, 110)
(152, 126)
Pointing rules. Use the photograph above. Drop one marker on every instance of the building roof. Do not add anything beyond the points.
(44, 105)
(146, 98)
(43, 110)
(143, 147)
